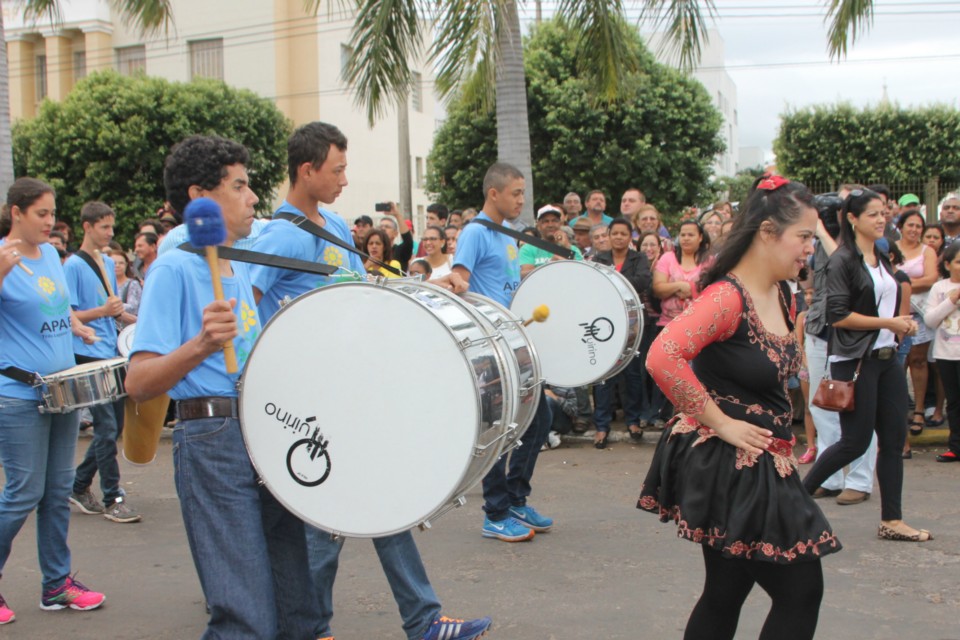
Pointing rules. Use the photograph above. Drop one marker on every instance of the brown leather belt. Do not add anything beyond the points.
(207, 407)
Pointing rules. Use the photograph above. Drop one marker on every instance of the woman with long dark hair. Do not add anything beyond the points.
(724, 471)
(37, 449)
(863, 307)
(676, 278)
(378, 246)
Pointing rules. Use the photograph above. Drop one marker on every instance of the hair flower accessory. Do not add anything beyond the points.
(772, 182)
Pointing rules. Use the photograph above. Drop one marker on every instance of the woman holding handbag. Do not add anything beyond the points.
(863, 304)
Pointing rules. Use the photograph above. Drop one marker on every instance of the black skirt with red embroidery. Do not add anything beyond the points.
(746, 507)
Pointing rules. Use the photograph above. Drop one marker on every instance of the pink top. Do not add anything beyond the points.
(673, 306)
(914, 266)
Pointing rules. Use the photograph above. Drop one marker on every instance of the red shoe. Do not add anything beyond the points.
(948, 456)
(808, 456)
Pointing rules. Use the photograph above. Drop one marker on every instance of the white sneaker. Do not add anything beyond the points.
(553, 440)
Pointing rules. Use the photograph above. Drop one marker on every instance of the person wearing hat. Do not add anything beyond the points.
(549, 220)
(908, 202)
(361, 227)
(581, 235)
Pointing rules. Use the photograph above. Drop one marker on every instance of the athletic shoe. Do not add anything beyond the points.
(528, 517)
(444, 628)
(71, 594)
(6, 613)
(326, 638)
(553, 441)
(508, 529)
(86, 502)
(120, 511)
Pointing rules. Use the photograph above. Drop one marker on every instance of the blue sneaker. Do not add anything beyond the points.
(509, 529)
(444, 628)
(528, 517)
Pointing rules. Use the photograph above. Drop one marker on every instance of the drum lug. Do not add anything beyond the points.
(480, 449)
(260, 482)
(425, 525)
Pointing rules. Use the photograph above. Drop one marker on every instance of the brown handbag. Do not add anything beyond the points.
(836, 395)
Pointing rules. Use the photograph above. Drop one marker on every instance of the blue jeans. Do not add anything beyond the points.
(652, 399)
(249, 551)
(632, 403)
(37, 453)
(504, 488)
(102, 454)
(402, 565)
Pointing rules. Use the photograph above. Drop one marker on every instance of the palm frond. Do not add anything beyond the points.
(465, 48)
(601, 50)
(34, 10)
(847, 18)
(150, 16)
(386, 36)
(684, 24)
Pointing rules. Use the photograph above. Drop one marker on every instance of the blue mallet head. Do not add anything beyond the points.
(204, 220)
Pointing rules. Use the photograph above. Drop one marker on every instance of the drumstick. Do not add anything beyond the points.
(25, 268)
(103, 272)
(540, 314)
(205, 228)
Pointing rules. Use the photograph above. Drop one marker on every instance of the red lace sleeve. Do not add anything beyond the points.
(712, 317)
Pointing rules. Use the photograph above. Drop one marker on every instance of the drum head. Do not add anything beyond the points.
(359, 410)
(125, 340)
(587, 330)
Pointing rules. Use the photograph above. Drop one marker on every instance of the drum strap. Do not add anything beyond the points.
(312, 227)
(539, 243)
(22, 375)
(86, 257)
(257, 257)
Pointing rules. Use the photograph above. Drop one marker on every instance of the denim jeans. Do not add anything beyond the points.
(603, 394)
(505, 487)
(37, 452)
(652, 399)
(402, 565)
(102, 454)
(249, 551)
(860, 475)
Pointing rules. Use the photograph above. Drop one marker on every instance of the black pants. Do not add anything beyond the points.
(881, 405)
(796, 590)
(950, 375)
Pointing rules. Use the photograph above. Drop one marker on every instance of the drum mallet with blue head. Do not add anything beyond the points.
(540, 314)
(206, 229)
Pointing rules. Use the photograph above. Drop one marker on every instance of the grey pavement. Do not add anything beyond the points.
(607, 571)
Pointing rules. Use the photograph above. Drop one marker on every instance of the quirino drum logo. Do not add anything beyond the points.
(308, 459)
(600, 330)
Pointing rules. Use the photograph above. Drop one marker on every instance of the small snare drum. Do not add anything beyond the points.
(595, 324)
(84, 385)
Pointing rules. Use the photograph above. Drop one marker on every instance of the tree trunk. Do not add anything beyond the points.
(6, 140)
(403, 146)
(513, 127)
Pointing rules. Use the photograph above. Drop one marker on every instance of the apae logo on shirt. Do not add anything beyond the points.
(55, 305)
(249, 330)
(333, 256)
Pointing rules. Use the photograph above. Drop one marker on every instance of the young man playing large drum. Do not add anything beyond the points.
(489, 262)
(93, 286)
(249, 551)
(316, 156)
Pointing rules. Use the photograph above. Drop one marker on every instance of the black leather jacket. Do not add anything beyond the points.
(850, 290)
(636, 269)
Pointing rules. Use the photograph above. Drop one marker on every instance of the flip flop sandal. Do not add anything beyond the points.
(887, 533)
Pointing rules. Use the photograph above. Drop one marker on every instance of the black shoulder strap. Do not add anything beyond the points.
(22, 375)
(256, 257)
(86, 257)
(311, 227)
(539, 243)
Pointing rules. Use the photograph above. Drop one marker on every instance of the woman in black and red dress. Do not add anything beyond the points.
(725, 470)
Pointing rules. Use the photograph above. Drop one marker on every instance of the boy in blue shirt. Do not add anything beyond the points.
(249, 551)
(97, 307)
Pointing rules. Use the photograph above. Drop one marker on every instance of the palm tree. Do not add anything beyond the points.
(150, 16)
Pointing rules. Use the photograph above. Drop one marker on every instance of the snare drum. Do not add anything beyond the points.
(84, 385)
(595, 323)
(358, 451)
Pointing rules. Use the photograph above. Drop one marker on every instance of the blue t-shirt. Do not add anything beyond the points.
(35, 322)
(491, 259)
(606, 220)
(86, 292)
(171, 313)
(283, 238)
(179, 234)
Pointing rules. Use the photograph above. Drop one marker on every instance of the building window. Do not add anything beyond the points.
(416, 93)
(79, 65)
(206, 59)
(419, 165)
(345, 53)
(41, 76)
(131, 60)
(735, 116)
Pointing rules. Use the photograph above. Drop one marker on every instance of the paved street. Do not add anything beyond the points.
(607, 572)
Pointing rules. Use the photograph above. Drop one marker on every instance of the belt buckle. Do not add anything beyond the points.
(885, 353)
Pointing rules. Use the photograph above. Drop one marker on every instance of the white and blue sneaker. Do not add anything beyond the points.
(528, 517)
(508, 530)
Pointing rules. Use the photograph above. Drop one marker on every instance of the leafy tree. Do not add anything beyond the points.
(108, 140)
(829, 144)
(735, 188)
(661, 135)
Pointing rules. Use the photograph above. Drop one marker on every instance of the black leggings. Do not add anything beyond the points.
(796, 590)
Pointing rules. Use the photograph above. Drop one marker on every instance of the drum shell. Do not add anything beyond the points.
(579, 295)
(84, 386)
(142, 426)
(475, 362)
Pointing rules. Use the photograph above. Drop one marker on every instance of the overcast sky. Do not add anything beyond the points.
(781, 62)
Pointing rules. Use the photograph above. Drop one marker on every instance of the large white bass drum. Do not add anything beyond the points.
(369, 409)
(595, 324)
